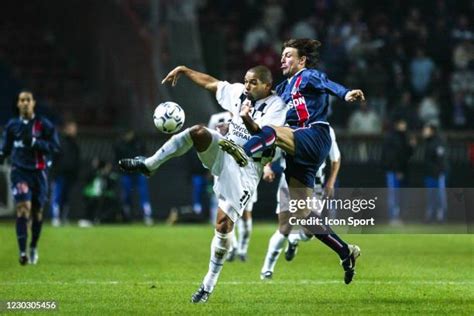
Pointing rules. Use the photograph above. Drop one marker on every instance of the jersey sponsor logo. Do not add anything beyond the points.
(18, 144)
(239, 131)
(299, 103)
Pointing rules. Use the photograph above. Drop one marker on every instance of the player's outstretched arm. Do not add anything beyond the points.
(354, 95)
(201, 79)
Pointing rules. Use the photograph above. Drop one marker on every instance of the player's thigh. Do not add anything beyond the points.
(201, 137)
(284, 226)
(21, 187)
(285, 139)
(212, 156)
(40, 190)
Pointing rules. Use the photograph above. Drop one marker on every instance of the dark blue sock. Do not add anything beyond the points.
(333, 241)
(260, 141)
(22, 232)
(35, 232)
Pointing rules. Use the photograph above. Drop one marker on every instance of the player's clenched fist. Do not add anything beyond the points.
(354, 95)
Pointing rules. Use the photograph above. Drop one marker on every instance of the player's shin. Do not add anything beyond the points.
(22, 233)
(275, 246)
(260, 141)
(176, 146)
(327, 236)
(36, 226)
(220, 245)
(245, 230)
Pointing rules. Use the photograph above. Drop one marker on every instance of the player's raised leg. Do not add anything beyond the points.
(347, 253)
(176, 146)
(220, 245)
(268, 137)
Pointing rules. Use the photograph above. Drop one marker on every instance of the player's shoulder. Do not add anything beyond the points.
(312, 77)
(11, 122)
(230, 87)
(276, 101)
(46, 122)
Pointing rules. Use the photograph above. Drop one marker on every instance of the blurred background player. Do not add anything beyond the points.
(30, 139)
(305, 139)
(435, 174)
(234, 185)
(65, 173)
(130, 146)
(321, 189)
(397, 151)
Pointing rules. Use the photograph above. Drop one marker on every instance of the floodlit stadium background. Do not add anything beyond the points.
(100, 63)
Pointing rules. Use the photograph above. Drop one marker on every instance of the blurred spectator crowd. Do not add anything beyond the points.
(413, 59)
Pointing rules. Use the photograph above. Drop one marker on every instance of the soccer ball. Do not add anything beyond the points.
(168, 117)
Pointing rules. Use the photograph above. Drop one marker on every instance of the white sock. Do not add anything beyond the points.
(233, 242)
(298, 236)
(146, 209)
(245, 229)
(220, 245)
(176, 146)
(275, 246)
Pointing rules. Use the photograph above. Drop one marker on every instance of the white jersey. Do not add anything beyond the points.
(334, 155)
(219, 119)
(268, 111)
(235, 186)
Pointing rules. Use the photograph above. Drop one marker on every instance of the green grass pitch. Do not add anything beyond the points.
(141, 270)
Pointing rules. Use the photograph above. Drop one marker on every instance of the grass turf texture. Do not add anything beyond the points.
(142, 270)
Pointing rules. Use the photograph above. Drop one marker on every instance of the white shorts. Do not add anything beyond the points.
(251, 203)
(234, 186)
(283, 196)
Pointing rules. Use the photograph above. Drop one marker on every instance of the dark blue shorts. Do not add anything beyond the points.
(29, 185)
(312, 145)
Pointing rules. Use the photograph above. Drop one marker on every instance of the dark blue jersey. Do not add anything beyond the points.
(307, 94)
(42, 135)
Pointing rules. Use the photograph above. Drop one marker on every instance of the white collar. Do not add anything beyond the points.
(24, 120)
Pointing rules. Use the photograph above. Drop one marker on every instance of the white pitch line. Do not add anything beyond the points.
(270, 282)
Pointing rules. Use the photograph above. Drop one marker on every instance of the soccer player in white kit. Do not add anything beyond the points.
(252, 105)
(283, 233)
(241, 236)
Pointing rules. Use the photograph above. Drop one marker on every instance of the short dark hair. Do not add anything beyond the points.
(305, 47)
(262, 73)
(24, 91)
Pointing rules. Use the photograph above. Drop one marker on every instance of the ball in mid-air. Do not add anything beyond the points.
(168, 117)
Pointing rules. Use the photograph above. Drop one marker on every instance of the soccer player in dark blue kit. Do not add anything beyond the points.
(31, 140)
(305, 138)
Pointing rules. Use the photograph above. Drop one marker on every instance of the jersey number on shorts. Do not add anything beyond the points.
(245, 197)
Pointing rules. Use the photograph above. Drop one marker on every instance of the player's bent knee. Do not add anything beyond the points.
(224, 225)
(23, 209)
(201, 137)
